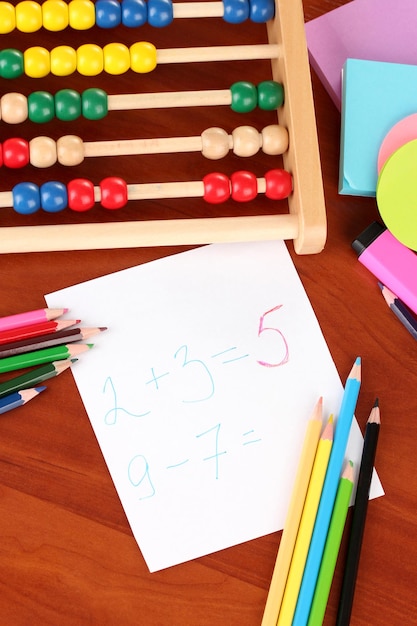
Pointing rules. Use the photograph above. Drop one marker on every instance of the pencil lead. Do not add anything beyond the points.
(376, 403)
(40, 389)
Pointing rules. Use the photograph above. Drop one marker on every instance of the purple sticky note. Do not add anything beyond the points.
(374, 30)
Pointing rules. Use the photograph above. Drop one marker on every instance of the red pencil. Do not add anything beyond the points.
(35, 330)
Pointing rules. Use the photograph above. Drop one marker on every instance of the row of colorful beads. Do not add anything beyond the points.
(80, 194)
(56, 15)
(68, 105)
(89, 60)
(70, 150)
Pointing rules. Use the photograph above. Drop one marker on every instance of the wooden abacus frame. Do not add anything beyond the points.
(305, 222)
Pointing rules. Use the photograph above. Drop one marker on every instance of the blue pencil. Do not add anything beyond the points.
(328, 496)
(13, 400)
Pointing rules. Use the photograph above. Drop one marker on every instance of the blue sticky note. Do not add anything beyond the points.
(375, 96)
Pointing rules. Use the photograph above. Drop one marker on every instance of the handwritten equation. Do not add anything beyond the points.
(202, 380)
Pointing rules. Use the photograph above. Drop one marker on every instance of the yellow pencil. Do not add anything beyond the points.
(295, 575)
(292, 521)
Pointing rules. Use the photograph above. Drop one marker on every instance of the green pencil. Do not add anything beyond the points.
(47, 355)
(332, 546)
(34, 377)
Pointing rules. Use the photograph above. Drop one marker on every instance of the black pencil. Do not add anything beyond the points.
(359, 517)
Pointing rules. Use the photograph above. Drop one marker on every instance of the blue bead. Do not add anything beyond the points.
(235, 11)
(261, 11)
(108, 13)
(134, 13)
(26, 198)
(160, 13)
(54, 197)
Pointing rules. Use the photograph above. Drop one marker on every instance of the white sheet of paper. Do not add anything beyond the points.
(200, 391)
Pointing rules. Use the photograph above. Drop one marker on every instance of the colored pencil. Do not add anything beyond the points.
(305, 530)
(34, 377)
(35, 330)
(13, 400)
(324, 512)
(292, 521)
(332, 547)
(403, 313)
(37, 357)
(30, 317)
(359, 517)
(58, 338)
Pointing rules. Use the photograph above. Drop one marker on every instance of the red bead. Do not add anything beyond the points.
(216, 188)
(15, 152)
(244, 186)
(278, 184)
(80, 194)
(113, 192)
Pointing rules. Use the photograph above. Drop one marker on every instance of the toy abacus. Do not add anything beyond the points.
(288, 92)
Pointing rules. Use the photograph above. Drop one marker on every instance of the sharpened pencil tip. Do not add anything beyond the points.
(40, 389)
(376, 403)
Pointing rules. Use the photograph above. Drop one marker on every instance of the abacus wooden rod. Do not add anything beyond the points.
(176, 189)
(214, 143)
(173, 99)
(147, 233)
(197, 9)
(250, 52)
(31, 17)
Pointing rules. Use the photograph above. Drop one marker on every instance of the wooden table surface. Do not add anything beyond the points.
(67, 555)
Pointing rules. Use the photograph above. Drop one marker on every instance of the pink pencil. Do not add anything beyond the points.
(30, 317)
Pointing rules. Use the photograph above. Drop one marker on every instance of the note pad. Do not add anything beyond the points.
(375, 30)
(200, 392)
(376, 96)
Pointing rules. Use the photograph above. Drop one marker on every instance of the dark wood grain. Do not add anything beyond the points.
(67, 555)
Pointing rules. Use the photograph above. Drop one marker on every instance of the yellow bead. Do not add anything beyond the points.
(14, 108)
(116, 58)
(90, 59)
(70, 150)
(55, 15)
(81, 14)
(7, 18)
(63, 61)
(142, 57)
(42, 152)
(37, 62)
(28, 16)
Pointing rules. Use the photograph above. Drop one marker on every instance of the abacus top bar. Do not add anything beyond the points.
(56, 15)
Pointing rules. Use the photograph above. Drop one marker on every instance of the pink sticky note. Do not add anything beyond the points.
(402, 132)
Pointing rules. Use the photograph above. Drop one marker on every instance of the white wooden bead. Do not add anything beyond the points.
(274, 139)
(216, 143)
(14, 108)
(246, 141)
(42, 152)
(70, 150)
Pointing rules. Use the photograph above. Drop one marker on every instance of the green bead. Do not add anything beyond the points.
(41, 107)
(270, 95)
(94, 103)
(67, 105)
(244, 97)
(11, 63)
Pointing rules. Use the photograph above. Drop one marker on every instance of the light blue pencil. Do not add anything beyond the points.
(328, 496)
